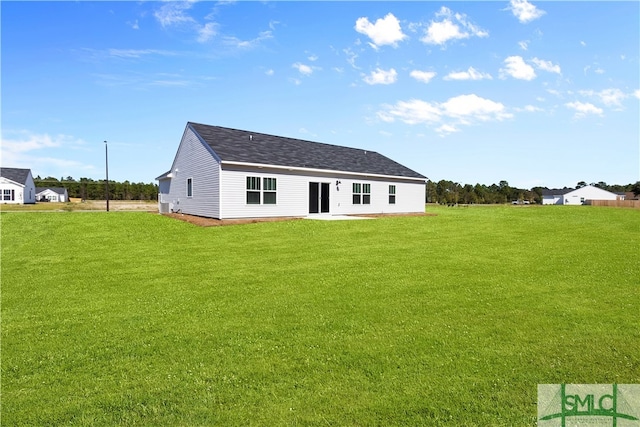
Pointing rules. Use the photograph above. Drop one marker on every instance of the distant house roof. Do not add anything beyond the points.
(241, 146)
(556, 191)
(59, 190)
(15, 174)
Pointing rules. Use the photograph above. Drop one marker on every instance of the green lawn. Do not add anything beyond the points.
(127, 318)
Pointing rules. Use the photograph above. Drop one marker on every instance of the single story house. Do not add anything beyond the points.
(578, 196)
(226, 173)
(52, 194)
(17, 186)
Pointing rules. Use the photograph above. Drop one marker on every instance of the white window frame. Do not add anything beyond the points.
(272, 184)
(190, 187)
(262, 186)
(361, 193)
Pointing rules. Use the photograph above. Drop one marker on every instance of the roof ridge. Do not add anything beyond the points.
(283, 137)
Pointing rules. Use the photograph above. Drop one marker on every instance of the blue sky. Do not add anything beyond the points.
(534, 93)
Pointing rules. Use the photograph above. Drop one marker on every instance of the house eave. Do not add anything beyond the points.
(166, 175)
(315, 170)
(10, 181)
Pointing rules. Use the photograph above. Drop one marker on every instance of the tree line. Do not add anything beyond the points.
(449, 192)
(88, 189)
(443, 191)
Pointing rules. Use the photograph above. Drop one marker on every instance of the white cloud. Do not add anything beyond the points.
(451, 27)
(269, 72)
(306, 132)
(248, 44)
(423, 76)
(524, 44)
(532, 109)
(173, 13)
(303, 69)
(473, 106)
(525, 11)
(351, 57)
(411, 112)
(31, 141)
(385, 31)
(636, 93)
(546, 66)
(449, 115)
(137, 53)
(207, 32)
(313, 58)
(34, 151)
(381, 77)
(582, 109)
(555, 92)
(170, 83)
(517, 68)
(447, 129)
(470, 74)
(134, 25)
(611, 97)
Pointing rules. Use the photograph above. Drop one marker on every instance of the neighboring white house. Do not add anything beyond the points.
(17, 186)
(52, 194)
(570, 196)
(227, 173)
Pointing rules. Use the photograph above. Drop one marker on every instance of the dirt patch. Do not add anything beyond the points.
(212, 222)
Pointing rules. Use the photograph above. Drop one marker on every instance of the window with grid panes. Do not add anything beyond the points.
(253, 190)
(269, 191)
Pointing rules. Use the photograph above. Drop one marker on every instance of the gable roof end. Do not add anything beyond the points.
(15, 174)
(233, 145)
(58, 190)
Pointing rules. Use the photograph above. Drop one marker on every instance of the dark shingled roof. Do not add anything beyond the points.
(252, 147)
(59, 190)
(16, 175)
(556, 191)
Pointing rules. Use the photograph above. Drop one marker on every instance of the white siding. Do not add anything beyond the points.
(21, 193)
(13, 190)
(292, 196)
(194, 160)
(29, 190)
(552, 200)
(577, 197)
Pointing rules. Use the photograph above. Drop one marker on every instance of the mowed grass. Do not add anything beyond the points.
(138, 319)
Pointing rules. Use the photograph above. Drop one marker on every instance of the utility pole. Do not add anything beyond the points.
(106, 160)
